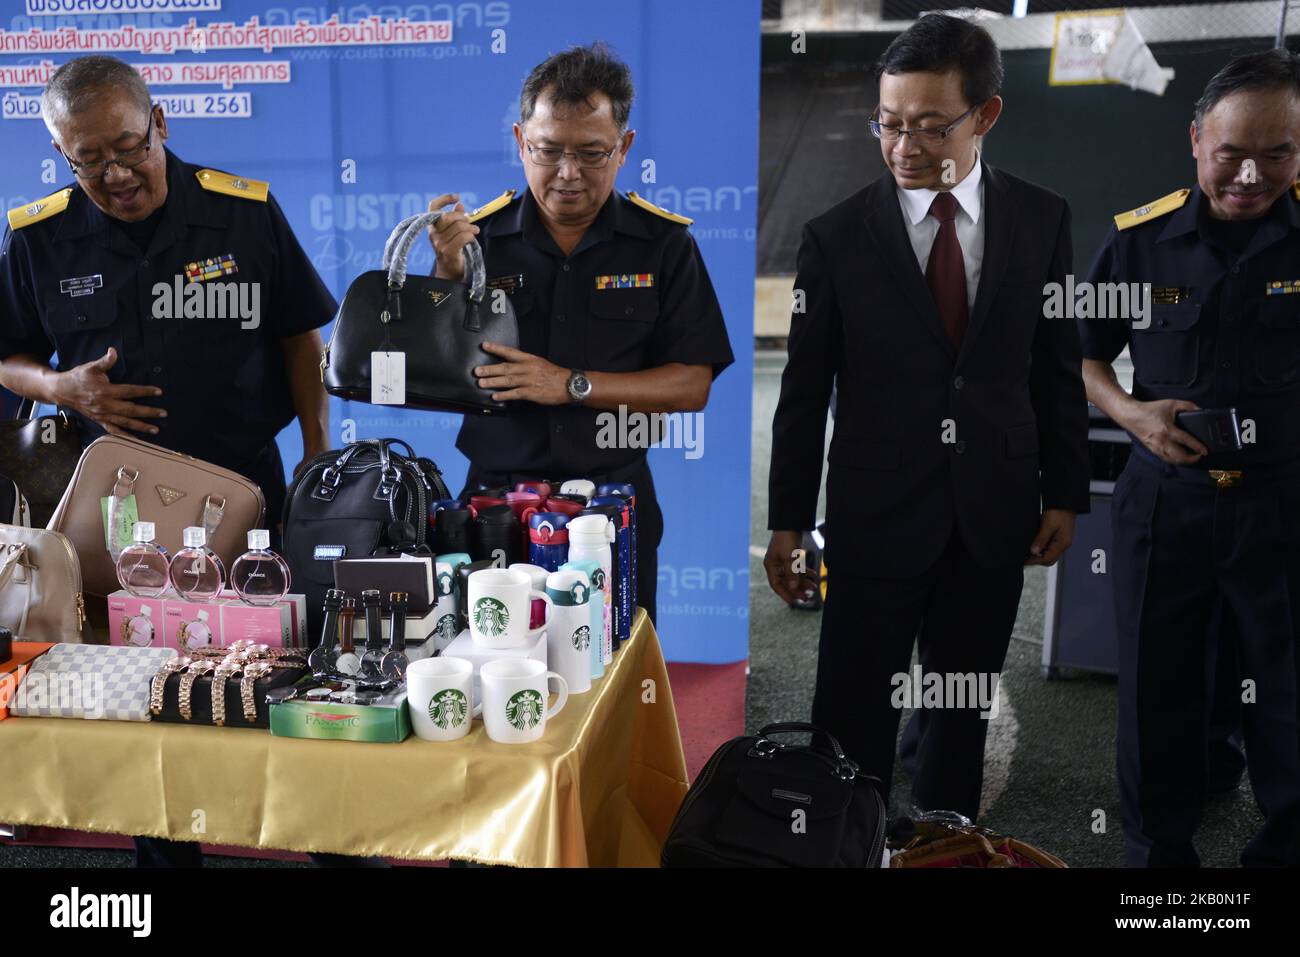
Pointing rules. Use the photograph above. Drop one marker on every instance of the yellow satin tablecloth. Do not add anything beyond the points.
(599, 789)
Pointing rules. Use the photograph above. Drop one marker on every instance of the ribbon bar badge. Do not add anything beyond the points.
(211, 268)
(627, 280)
(1282, 287)
(81, 285)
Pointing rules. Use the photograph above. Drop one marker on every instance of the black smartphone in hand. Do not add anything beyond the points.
(1217, 429)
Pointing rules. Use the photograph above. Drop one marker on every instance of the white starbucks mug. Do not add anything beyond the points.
(514, 694)
(439, 696)
(500, 603)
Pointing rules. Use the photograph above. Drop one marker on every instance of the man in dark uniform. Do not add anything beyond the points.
(91, 271)
(82, 273)
(1195, 529)
(614, 302)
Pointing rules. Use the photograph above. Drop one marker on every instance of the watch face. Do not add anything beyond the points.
(579, 386)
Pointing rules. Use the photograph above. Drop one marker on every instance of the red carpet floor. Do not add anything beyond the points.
(710, 702)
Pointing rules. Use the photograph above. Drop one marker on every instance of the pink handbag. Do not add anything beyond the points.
(171, 490)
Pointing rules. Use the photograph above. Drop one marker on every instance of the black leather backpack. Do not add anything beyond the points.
(351, 503)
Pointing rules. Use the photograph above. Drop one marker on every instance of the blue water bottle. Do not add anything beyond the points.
(548, 540)
(627, 492)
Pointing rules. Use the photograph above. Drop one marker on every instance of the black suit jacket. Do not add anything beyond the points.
(1012, 397)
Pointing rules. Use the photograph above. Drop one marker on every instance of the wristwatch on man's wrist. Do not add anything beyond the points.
(579, 386)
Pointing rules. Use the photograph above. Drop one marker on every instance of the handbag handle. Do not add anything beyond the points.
(398, 248)
(845, 768)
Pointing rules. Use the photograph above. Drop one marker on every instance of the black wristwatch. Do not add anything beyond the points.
(579, 386)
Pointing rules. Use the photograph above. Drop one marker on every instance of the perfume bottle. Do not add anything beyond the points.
(196, 572)
(139, 629)
(259, 576)
(142, 566)
(197, 633)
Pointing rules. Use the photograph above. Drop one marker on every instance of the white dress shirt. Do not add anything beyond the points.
(922, 228)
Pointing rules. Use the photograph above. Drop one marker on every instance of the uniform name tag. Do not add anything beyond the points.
(507, 284)
(1169, 295)
(81, 285)
(627, 280)
(1282, 287)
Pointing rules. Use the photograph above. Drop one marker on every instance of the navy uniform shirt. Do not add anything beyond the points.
(633, 295)
(74, 283)
(1224, 324)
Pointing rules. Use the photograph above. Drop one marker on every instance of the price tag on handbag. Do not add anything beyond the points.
(127, 516)
(388, 378)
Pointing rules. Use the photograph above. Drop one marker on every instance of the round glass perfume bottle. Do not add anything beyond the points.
(198, 633)
(260, 576)
(196, 572)
(142, 568)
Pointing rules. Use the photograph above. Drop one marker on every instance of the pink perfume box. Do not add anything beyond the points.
(294, 606)
(190, 624)
(263, 625)
(136, 621)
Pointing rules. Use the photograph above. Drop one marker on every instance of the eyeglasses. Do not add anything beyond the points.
(927, 135)
(553, 156)
(128, 159)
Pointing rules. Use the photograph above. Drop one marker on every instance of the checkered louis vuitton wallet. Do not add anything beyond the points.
(100, 682)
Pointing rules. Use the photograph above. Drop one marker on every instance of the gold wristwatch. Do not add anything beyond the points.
(252, 671)
(223, 673)
(169, 668)
(192, 673)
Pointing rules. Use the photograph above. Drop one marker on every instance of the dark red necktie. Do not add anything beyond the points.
(945, 273)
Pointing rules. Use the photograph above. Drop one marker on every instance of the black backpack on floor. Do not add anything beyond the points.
(744, 808)
(351, 503)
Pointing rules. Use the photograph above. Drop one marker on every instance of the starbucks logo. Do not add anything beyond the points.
(524, 710)
(582, 638)
(447, 627)
(491, 616)
(448, 708)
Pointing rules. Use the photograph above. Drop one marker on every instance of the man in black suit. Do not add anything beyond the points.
(959, 452)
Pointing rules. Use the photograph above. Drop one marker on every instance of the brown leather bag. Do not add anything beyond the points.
(171, 490)
(948, 845)
(40, 586)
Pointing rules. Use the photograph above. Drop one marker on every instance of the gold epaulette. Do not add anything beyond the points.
(228, 185)
(51, 205)
(487, 209)
(1296, 189)
(1165, 204)
(658, 210)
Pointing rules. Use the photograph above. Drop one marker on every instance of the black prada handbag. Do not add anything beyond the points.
(438, 324)
(760, 802)
(365, 499)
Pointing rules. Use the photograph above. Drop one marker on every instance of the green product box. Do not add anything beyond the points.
(384, 722)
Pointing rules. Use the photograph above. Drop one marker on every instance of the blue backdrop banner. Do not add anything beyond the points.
(358, 114)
